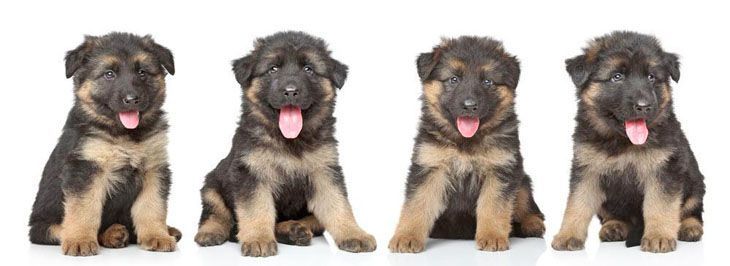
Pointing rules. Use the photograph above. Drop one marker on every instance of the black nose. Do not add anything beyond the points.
(642, 107)
(291, 92)
(131, 99)
(470, 105)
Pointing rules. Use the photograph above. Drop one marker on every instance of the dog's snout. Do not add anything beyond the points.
(130, 100)
(291, 91)
(470, 105)
(642, 106)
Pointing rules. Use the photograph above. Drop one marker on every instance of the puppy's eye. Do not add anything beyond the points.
(141, 73)
(487, 82)
(308, 69)
(651, 78)
(616, 77)
(109, 75)
(273, 69)
(454, 80)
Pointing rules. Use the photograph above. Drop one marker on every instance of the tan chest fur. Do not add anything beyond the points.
(646, 162)
(276, 165)
(113, 153)
(458, 163)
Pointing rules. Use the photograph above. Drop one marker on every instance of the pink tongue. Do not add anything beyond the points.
(637, 131)
(130, 120)
(290, 121)
(467, 125)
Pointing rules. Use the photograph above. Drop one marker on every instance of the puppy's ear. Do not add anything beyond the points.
(162, 53)
(425, 64)
(243, 68)
(672, 62)
(579, 70)
(513, 72)
(79, 56)
(338, 74)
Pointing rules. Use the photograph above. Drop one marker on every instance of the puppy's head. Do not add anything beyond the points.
(119, 78)
(468, 83)
(289, 80)
(623, 83)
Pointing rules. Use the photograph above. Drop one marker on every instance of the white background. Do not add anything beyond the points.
(377, 110)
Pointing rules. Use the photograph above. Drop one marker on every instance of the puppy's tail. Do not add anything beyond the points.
(636, 231)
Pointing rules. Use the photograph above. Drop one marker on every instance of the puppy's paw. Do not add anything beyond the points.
(567, 242)
(361, 243)
(293, 233)
(259, 248)
(164, 243)
(614, 231)
(533, 227)
(657, 243)
(173, 232)
(492, 243)
(404, 243)
(691, 231)
(210, 238)
(87, 246)
(116, 236)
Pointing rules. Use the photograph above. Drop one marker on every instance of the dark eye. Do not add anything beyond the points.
(308, 69)
(487, 82)
(454, 80)
(141, 73)
(273, 69)
(651, 78)
(109, 75)
(616, 77)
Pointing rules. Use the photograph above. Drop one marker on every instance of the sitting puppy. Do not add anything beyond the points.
(466, 179)
(108, 178)
(632, 164)
(281, 180)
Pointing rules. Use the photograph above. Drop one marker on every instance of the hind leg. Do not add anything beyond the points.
(215, 221)
(115, 236)
(613, 229)
(45, 234)
(298, 232)
(527, 214)
(691, 227)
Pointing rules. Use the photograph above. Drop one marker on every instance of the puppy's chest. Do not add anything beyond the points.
(634, 165)
(276, 165)
(460, 164)
(113, 154)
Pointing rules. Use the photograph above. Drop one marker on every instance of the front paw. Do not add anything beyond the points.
(116, 236)
(567, 242)
(362, 243)
(403, 243)
(657, 243)
(164, 243)
(492, 243)
(259, 248)
(87, 246)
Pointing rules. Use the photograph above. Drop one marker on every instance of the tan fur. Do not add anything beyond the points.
(116, 236)
(220, 220)
(88, 105)
(431, 93)
(583, 202)
(530, 223)
(266, 163)
(506, 102)
(141, 58)
(689, 205)
(450, 159)
(691, 229)
(82, 218)
(149, 214)
(489, 66)
(494, 216)
(588, 98)
(256, 219)
(456, 64)
(316, 61)
(251, 94)
(108, 60)
(661, 217)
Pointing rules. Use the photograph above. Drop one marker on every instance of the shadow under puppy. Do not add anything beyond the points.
(281, 180)
(632, 164)
(108, 178)
(466, 180)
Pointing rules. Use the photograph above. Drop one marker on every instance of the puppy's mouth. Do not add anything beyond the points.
(637, 131)
(467, 125)
(290, 121)
(129, 119)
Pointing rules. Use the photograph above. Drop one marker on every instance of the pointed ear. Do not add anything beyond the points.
(79, 56)
(579, 70)
(338, 74)
(425, 64)
(672, 62)
(162, 53)
(513, 72)
(243, 68)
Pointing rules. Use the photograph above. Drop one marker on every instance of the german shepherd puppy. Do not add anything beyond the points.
(632, 165)
(466, 180)
(108, 179)
(281, 180)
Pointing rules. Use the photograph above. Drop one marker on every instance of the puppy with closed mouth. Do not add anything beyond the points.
(281, 180)
(108, 178)
(466, 179)
(632, 164)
